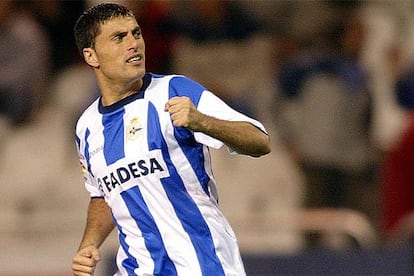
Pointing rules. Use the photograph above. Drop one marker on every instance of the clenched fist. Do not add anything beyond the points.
(85, 260)
(184, 113)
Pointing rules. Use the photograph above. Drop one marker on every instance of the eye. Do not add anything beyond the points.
(118, 37)
(136, 33)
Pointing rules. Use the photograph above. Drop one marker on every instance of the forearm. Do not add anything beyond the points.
(99, 223)
(242, 137)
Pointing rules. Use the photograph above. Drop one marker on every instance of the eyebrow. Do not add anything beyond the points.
(116, 33)
(137, 28)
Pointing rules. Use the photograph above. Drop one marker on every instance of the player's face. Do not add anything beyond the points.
(120, 51)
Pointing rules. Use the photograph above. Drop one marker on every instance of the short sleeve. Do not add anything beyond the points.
(212, 105)
(91, 184)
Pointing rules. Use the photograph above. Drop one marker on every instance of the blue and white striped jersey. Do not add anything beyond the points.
(157, 179)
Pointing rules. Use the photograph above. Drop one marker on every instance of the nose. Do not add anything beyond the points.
(132, 41)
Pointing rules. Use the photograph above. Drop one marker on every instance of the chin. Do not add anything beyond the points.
(136, 74)
(141, 71)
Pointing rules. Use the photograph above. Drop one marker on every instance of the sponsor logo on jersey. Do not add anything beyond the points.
(134, 129)
(134, 170)
(95, 151)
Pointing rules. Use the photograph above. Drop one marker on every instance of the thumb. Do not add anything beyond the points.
(92, 253)
(95, 254)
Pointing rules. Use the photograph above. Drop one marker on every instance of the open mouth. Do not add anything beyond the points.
(134, 59)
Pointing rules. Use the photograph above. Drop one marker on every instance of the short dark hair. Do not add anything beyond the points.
(87, 27)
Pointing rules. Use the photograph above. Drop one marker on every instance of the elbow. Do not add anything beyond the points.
(267, 148)
(263, 148)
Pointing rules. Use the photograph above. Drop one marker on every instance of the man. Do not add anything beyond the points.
(144, 149)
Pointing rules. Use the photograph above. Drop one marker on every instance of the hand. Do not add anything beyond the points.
(184, 113)
(85, 260)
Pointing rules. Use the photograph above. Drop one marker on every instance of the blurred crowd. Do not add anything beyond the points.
(333, 81)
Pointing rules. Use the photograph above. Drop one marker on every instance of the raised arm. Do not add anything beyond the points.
(98, 226)
(242, 137)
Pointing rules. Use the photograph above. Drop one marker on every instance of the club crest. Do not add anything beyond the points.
(134, 129)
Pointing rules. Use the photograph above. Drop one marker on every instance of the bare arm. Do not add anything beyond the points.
(98, 226)
(242, 137)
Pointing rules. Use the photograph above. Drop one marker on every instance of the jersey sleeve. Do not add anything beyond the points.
(209, 104)
(90, 182)
(212, 105)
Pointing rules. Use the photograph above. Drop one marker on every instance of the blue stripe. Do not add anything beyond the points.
(130, 264)
(154, 137)
(193, 223)
(186, 209)
(77, 142)
(181, 86)
(113, 132)
(194, 154)
(153, 240)
(86, 151)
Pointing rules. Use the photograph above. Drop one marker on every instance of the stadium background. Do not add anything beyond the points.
(237, 49)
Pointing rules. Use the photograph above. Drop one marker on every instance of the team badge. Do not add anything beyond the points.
(83, 168)
(133, 130)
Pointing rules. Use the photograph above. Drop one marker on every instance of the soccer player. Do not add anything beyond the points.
(144, 147)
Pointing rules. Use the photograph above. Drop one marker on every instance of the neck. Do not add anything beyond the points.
(116, 92)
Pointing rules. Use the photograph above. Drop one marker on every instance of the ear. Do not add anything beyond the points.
(90, 57)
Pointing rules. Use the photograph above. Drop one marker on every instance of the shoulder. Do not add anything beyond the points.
(177, 81)
(89, 115)
(178, 85)
(185, 84)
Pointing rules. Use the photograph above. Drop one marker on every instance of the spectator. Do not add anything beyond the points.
(398, 166)
(389, 57)
(57, 18)
(24, 62)
(330, 134)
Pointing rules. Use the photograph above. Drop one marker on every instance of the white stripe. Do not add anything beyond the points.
(136, 110)
(207, 206)
(170, 238)
(119, 258)
(134, 236)
(176, 242)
